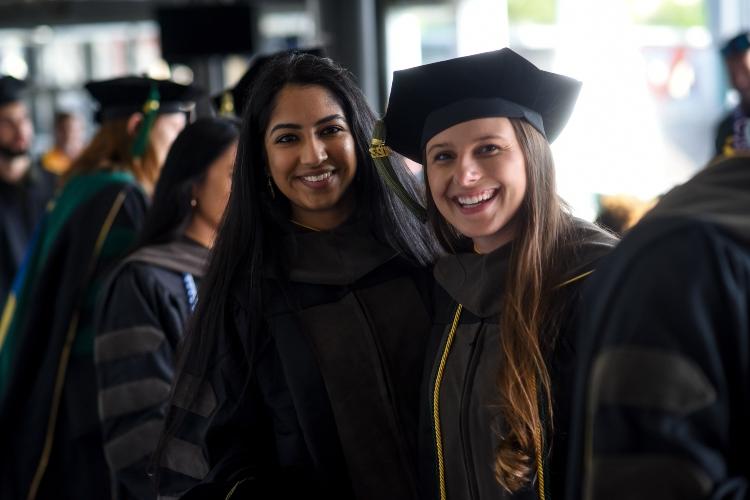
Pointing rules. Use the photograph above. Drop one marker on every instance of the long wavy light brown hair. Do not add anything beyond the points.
(111, 149)
(530, 309)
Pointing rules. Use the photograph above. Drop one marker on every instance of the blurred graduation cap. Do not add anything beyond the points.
(121, 97)
(231, 102)
(431, 98)
(11, 89)
(737, 45)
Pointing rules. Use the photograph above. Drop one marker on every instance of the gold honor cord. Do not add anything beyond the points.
(436, 401)
(539, 461)
(65, 356)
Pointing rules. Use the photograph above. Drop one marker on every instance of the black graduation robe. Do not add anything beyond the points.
(21, 207)
(467, 418)
(143, 313)
(662, 388)
(49, 427)
(331, 408)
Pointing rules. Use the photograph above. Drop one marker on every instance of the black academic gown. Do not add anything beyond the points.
(330, 410)
(143, 313)
(469, 420)
(49, 428)
(21, 207)
(662, 389)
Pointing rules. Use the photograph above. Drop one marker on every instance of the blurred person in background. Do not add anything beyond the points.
(49, 426)
(662, 402)
(619, 212)
(733, 133)
(68, 136)
(144, 310)
(25, 188)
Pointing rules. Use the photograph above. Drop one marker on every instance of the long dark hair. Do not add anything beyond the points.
(541, 252)
(247, 241)
(185, 167)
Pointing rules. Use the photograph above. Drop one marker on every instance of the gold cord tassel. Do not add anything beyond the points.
(379, 153)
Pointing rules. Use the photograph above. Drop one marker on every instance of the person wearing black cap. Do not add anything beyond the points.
(495, 390)
(301, 373)
(49, 427)
(231, 102)
(733, 133)
(25, 188)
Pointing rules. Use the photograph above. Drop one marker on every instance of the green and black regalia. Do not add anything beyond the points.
(460, 424)
(663, 407)
(49, 428)
(143, 315)
(331, 407)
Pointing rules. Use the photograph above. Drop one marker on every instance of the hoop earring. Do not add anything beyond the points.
(193, 202)
(270, 187)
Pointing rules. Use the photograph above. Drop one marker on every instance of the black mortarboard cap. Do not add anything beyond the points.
(428, 99)
(11, 89)
(737, 45)
(232, 101)
(121, 97)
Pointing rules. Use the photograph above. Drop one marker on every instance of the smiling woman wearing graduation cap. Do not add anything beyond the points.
(49, 427)
(494, 399)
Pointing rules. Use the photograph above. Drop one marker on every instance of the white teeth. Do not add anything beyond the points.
(318, 178)
(473, 200)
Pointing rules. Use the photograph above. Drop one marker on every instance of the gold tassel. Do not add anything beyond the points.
(380, 153)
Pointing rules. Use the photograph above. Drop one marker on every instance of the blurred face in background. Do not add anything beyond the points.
(212, 194)
(166, 128)
(16, 131)
(739, 74)
(69, 135)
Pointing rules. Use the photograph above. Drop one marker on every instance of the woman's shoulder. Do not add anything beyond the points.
(589, 243)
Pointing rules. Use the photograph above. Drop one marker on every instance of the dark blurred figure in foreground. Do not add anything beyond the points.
(145, 308)
(25, 188)
(663, 402)
(68, 128)
(733, 133)
(49, 427)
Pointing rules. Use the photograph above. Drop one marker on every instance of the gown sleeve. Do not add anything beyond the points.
(140, 324)
(667, 386)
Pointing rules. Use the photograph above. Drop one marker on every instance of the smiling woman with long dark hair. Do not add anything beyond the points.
(301, 372)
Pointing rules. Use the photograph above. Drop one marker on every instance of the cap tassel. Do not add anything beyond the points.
(380, 153)
(227, 104)
(150, 111)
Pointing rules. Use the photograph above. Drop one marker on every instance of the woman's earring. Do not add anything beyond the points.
(193, 202)
(270, 187)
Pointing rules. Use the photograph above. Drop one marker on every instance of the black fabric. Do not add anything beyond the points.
(677, 286)
(469, 413)
(331, 408)
(65, 288)
(146, 299)
(21, 207)
(419, 92)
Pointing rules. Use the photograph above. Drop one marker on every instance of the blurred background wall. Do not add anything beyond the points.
(654, 83)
